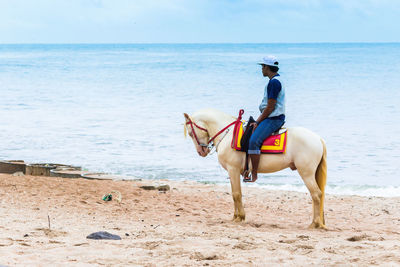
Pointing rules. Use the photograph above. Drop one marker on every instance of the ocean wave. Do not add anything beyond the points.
(358, 190)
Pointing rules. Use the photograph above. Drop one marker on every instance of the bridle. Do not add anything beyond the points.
(210, 141)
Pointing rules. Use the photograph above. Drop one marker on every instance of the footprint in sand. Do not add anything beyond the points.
(330, 250)
(303, 237)
(51, 233)
(305, 247)
(256, 225)
(203, 256)
(56, 242)
(287, 241)
(81, 244)
(357, 238)
(245, 246)
(151, 244)
(275, 226)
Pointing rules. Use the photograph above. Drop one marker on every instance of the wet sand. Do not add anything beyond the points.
(190, 225)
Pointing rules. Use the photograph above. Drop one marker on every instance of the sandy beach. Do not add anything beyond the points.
(190, 225)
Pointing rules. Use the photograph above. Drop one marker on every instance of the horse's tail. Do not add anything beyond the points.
(320, 177)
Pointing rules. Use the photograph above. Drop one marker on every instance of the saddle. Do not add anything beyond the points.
(273, 144)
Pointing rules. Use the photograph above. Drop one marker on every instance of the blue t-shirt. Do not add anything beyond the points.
(274, 90)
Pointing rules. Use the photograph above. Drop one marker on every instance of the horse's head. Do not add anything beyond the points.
(198, 133)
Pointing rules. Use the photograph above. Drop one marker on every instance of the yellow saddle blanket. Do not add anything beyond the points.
(276, 143)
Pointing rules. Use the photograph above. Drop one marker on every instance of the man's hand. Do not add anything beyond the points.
(254, 124)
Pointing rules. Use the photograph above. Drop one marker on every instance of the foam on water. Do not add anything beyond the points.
(359, 190)
(118, 108)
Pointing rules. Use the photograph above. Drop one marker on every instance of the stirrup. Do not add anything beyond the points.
(247, 176)
(245, 173)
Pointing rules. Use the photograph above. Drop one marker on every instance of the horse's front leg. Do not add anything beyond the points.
(239, 214)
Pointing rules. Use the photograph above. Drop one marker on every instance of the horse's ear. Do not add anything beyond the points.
(186, 116)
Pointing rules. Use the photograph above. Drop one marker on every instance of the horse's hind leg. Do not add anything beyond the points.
(239, 214)
(316, 194)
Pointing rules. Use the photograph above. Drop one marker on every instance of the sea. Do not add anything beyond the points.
(118, 108)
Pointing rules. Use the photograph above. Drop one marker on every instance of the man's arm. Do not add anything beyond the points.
(268, 110)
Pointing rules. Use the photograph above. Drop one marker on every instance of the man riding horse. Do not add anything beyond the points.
(272, 115)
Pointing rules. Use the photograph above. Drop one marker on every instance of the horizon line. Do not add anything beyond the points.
(193, 43)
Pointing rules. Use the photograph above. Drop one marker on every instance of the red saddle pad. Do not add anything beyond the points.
(273, 143)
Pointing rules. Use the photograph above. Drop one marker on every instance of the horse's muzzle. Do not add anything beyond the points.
(202, 150)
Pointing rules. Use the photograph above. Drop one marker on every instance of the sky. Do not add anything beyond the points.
(199, 21)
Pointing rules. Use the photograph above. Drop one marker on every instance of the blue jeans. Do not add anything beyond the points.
(263, 130)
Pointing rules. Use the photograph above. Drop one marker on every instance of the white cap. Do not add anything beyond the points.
(270, 61)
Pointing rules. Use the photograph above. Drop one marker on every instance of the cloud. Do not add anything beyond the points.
(198, 20)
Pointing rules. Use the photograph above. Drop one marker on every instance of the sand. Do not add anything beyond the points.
(190, 225)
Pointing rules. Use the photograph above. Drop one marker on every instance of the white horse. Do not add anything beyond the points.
(305, 152)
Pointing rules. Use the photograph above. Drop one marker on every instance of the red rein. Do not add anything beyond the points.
(221, 131)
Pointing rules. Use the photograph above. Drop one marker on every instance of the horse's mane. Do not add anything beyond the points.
(204, 116)
(208, 114)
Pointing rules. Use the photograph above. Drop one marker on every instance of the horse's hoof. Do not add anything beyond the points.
(317, 226)
(239, 218)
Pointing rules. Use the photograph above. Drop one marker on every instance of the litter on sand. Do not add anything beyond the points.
(103, 235)
(117, 196)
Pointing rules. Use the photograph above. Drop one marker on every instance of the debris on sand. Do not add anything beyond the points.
(103, 235)
(357, 238)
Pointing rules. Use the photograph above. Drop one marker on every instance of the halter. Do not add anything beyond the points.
(209, 143)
